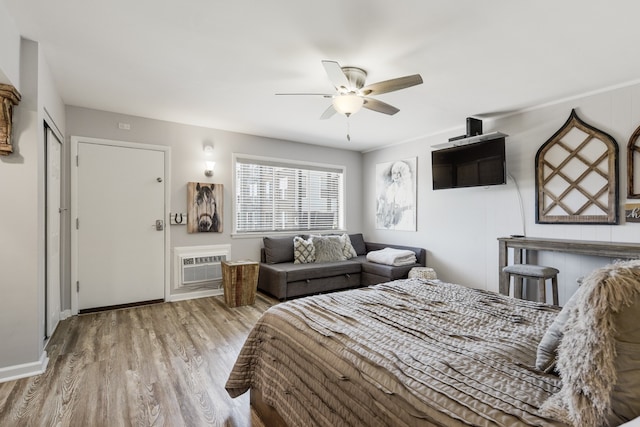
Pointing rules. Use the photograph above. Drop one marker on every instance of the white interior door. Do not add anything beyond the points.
(120, 251)
(53, 206)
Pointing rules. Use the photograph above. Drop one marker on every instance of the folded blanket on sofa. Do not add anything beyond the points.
(391, 256)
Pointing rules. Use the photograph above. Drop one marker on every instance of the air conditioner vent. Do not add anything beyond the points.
(200, 265)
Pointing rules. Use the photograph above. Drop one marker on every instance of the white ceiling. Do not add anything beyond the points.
(219, 63)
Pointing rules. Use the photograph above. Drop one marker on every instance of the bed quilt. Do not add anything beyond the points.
(411, 352)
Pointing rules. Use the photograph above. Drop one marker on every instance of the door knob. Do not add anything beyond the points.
(159, 225)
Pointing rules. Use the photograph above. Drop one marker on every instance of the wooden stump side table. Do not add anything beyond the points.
(240, 281)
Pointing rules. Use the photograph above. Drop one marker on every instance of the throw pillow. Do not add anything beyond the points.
(304, 251)
(357, 241)
(599, 380)
(548, 346)
(278, 249)
(347, 249)
(625, 396)
(328, 248)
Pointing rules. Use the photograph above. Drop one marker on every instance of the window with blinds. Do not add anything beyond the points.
(273, 195)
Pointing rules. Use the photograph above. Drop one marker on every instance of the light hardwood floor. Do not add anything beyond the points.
(157, 365)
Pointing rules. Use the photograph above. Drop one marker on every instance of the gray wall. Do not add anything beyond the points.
(187, 164)
(9, 49)
(22, 194)
(459, 227)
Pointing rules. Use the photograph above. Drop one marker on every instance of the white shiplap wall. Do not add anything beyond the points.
(459, 227)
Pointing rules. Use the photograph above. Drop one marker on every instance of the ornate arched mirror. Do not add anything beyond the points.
(633, 164)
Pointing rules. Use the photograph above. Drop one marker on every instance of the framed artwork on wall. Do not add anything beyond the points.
(204, 207)
(577, 176)
(396, 184)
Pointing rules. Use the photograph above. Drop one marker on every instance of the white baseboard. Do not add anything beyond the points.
(195, 294)
(15, 372)
(65, 314)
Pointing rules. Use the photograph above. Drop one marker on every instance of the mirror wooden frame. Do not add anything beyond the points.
(633, 152)
(577, 176)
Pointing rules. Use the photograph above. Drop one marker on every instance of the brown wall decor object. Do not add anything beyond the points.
(204, 207)
(9, 97)
(577, 176)
(633, 159)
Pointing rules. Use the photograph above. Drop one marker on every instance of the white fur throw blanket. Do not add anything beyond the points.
(392, 256)
(587, 357)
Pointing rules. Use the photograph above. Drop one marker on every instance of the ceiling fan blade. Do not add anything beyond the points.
(326, 95)
(392, 85)
(336, 75)
(328, 113)
(379, 106)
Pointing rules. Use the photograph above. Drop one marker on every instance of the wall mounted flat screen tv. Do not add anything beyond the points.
(471, 165)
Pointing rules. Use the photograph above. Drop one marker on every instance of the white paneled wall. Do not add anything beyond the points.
(459, 227)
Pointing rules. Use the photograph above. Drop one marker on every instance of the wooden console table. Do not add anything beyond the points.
(580, 247)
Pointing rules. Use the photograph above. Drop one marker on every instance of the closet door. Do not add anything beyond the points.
(53, 217)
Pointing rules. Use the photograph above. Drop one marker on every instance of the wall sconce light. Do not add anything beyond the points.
(209, 165)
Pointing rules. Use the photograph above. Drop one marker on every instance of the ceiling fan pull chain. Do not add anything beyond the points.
(348, 130)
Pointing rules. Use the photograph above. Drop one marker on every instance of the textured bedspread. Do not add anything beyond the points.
(409, 352)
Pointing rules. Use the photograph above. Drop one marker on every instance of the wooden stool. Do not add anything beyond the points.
(539, 272)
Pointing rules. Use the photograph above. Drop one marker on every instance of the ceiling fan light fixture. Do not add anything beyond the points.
(348, 104)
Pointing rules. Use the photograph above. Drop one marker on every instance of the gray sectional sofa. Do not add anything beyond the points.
(280, 277)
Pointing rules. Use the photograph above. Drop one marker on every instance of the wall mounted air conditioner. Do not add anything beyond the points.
(197, 266)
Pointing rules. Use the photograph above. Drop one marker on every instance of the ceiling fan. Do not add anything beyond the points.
(351, 93)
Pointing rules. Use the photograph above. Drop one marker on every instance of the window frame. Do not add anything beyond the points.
(296, 164)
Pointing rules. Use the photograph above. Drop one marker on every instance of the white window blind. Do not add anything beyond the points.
(272, 195)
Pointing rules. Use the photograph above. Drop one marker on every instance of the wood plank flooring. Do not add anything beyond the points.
(157, 365)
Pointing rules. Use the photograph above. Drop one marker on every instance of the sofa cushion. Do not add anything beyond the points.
(390, 271)
(601, 336)
(347, 248)
(625, 397)
(328, 248)
(303, 251)
(357, 241)
(278, 249)
(548, 346)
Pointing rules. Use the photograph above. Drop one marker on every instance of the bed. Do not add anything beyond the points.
(405, 353)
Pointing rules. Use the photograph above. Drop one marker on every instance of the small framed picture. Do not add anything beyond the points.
(632, 212)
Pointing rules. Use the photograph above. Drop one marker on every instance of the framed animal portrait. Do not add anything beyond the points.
(204, 207)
